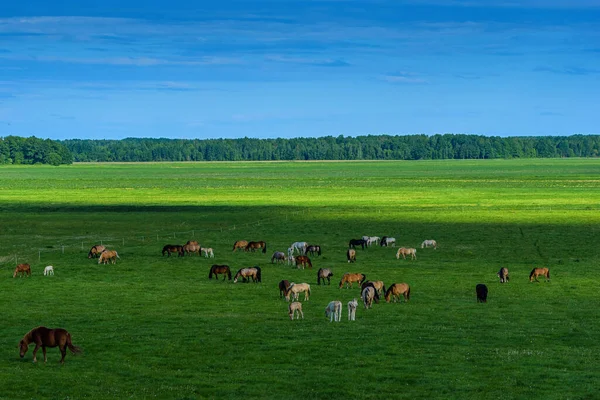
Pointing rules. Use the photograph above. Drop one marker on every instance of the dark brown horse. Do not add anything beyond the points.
(545, 272)
(283, 287)
(304, 261)
(219, 269)
(22, 270)
(312, 249)
(252, 246)
(481, 291)
(173, 248)
(44, 337)
(324, 273)
(240, 244)
(96, 250)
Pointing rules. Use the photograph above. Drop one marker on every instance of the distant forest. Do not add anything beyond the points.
(18, 150)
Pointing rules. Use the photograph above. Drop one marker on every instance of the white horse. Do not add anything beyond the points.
(299, 246)
(373, 239)
(208, 252)
(295, 308)
(427, 243)
(291, 260)
(389, 241)
(334, 311)
(49, 270)
(352, 305)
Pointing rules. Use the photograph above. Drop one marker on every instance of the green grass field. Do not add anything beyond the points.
(157, 327)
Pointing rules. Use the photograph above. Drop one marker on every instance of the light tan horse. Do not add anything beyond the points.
(208, 252)
(406, 251)
(351, 255)
(240, 244)
(108, 255)
(192, 247)
(348, 279)
(396, 290)
(295, 308)
(22, 270)
(367, 295)
(428, 243)
(545, 272)
(378, 285)
(295, 289)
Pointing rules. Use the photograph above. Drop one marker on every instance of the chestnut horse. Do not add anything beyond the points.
(324, 273)
(248, 273)
(283, 287)
(545, 272)
(22, 270)
(44, 337)
(220, 269)
(108, 255)
(240, 244)
(304, 261)
(192, 247)
(173, 248)
(349, 279)
(396, 290)
(252, 246)
(95, 251)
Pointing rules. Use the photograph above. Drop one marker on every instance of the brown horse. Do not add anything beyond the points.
(96, 250)
(246, 274)
(173, 248)
(192, 247)
(396, 290)
(220, 269)
(283, 287)
(313, 248)
(324, 273)
(545, 272)
(349, 279)
(22, 270)
(252, 246)
(108, 255)
(44, 337)
(304, 261)
(503, 275)
(240, 244)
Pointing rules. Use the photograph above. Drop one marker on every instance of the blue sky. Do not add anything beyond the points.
(116, 69)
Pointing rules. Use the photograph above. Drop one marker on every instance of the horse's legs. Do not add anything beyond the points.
(63, 352)
(44, 351)
(37, 347)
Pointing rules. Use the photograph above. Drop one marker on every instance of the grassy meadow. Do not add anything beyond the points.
(157, 327)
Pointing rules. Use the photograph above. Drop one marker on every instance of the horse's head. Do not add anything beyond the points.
(23, 347)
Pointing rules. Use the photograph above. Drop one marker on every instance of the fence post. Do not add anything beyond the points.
(63, 249)
(123, 242)
(39, 256)
(193, 233)
(81, 245)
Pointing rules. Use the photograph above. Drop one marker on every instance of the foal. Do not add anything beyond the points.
(352, 305)
(334, 311)
(49, 270)
(295, 308)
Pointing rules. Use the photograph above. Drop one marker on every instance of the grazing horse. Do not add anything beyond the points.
(240, 244)
(219, 269)
(405, 251)
(95, 251)
(246, 274)
(173, 248)
(334, 311)
(348, 279)
(252, 246)
(371, 239)
(304, 261)
(283, 287)
(291, 260)
(351, 255)
(352, 305)
(299, 246)
(295, 289)
(44, 337)
(208, 252)
(108, 255)
(49, 270)
(357, 242)
(428, 243)
(503, 275)
(378, 285)
(324, 273)
(190, 248)
(277, 257)
(192, 242)
(482, 291)
(367, 295)
(545, 272)
(314, 248)
(22, 270)
(387, 241)
(396, 290)
(295, 308)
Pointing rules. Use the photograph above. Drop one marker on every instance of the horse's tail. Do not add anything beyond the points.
(309, 263)
(531, 274)
(258, 274)
(319, 252)
(265, 248)
(383, 290)
(308, 289)
(363, 278)
(210, 273)
(408, 294)
(117, 254)
(74, 349)
(548, 274)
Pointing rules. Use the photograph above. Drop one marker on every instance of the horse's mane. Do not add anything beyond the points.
(28, 336)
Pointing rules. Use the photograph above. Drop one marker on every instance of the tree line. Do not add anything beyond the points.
(18, 150)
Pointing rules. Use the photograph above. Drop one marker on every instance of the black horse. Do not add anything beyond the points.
(314, 248)
(482, 292)
(357, 242)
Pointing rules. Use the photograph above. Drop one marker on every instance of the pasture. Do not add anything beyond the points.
(152, 326)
